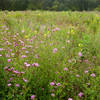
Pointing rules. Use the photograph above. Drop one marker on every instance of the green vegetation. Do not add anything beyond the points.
(49, 55)
(97, 8)
(54, 5)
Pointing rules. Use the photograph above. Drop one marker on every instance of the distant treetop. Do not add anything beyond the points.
(57, 5)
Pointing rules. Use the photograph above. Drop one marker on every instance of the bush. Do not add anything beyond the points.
(97, 8)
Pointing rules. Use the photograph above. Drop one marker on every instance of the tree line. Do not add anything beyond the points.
(57, 5)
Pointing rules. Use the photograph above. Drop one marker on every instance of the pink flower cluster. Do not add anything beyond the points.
(53, 83)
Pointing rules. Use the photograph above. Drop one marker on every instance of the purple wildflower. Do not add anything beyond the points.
(10, 79)
(1, 49)
(58, 84)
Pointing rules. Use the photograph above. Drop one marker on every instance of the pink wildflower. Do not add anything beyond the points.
(37, 56)
(0, 55)
(5, 68)
(12, 54)
(32, 97)
(80, 94)
(9, 60)
(35, 64)
(23, 56)
(23, 48)
(23, 31)
(42, 89)
(10, 50)
(56, 29)
(67, 41)
(26, 51)
(7, 55)
(16, 72)
(30, 40)
(86, 71)
(52, 94)
(65, 69)
(77, 75)
(54, 50)
(88, 83)
(9, 84)
(7, 28)
(52, 83)
(3, 26)
(93, 75)
(22, 72)
(79, 54)
(86, 61)
(25, 80)
(70, 99)
(27, 65)
(12, 68)
(17, 85)
(69, 61)
(94, 57)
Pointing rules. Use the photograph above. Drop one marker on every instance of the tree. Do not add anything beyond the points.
(57, 5)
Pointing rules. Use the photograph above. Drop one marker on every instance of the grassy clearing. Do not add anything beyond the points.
(49, 55)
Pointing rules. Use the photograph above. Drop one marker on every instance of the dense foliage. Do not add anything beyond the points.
(57, 5)
(49, 55)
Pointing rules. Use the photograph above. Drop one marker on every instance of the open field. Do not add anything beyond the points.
(49, 55)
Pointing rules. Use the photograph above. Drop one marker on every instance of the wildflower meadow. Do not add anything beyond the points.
(48, 55)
